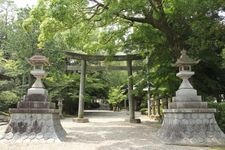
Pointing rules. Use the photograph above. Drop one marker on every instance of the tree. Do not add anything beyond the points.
(162, 28)
(8, 92)
(115, 96)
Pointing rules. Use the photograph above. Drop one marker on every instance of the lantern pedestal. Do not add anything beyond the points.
(34, 125)
(191, 127)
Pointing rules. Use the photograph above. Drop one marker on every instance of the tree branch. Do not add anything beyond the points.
(97, 7)
(96, 12)
(134, 19)
(101, 4)
(98, 3)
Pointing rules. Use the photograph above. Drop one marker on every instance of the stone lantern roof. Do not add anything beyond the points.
(38, 60)
(185, 59)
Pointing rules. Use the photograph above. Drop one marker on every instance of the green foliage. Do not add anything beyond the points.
(7, 98)
(15, 45)
(220, 113)
(96, 86)
(9, 94)
(66, 87)
(116, 96)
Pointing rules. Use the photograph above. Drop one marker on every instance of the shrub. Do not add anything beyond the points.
(7, 99)
(220, 114)
(115, 96)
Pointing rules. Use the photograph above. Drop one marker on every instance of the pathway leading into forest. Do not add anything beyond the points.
(106, 131)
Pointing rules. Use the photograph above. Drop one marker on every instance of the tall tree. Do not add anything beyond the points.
(161, 27)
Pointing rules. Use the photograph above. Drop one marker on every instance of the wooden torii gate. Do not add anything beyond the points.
(84, 58)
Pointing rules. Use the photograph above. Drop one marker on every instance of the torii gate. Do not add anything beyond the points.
(84, 58)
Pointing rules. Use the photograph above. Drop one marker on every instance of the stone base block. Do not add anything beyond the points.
(37, 91)
(133, 120)
(36, 104)
(34, 127)
(81, 120)
(187, 98)
(191, 127)
(177, 105)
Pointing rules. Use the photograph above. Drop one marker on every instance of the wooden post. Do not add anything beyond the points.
(81, 92)
(153, 106)
(148, 84)
(149, 101)
(149, 107)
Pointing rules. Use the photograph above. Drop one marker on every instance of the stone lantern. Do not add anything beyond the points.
(184, 63)
(186, 93)
(188, 121)
(35, 118)
(38, 62)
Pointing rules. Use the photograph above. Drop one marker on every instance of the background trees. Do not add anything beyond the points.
(158, 29)
(154, 27)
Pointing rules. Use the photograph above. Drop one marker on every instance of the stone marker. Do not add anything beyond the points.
(35, 119)
(188, 121)
(60, 106)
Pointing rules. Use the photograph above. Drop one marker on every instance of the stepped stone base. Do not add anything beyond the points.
(191, 127)
(34, 127)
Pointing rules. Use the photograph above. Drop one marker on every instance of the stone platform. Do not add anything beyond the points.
(34, 119)
(191, 127)
(32, 126)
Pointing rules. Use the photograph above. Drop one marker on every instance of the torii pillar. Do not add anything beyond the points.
(130, 93)
(80, 118)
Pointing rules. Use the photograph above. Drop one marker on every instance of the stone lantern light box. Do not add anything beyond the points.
(185, 62)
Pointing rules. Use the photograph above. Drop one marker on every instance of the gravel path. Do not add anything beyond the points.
(106, 131)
